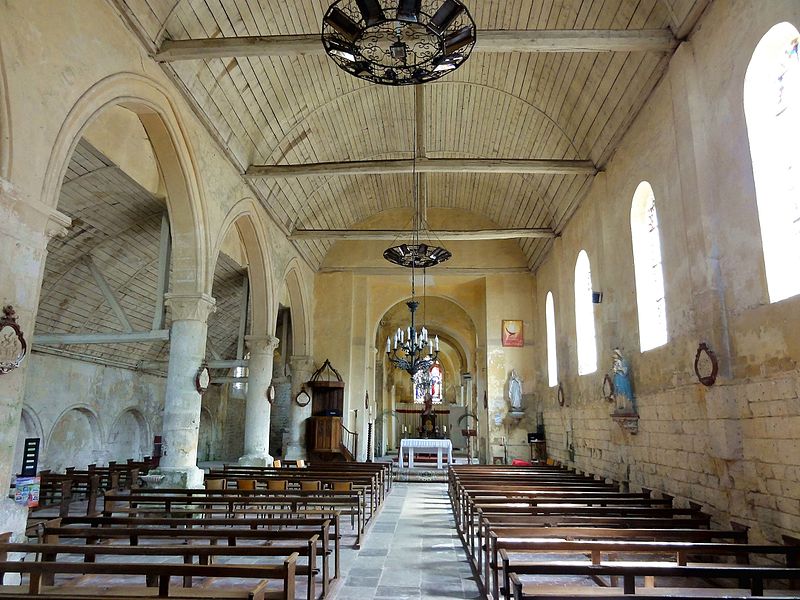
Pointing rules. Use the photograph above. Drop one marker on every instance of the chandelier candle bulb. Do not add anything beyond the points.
(437, 343)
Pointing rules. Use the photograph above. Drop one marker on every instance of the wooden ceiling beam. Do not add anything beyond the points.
(426, 165)
(445, 235)
(525, 40)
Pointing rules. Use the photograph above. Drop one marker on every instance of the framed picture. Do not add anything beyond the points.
(512, 334)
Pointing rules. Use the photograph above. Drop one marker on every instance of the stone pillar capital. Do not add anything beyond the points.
(265, 344)
(190, 307)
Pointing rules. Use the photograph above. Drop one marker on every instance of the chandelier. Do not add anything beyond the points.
(398, 42)
(414, 351)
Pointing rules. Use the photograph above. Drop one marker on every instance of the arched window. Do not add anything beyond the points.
(648, 269)
(584, 316)
(429, 381)
(552, 356)
(772, 109)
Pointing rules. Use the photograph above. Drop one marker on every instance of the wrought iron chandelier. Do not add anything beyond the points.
(398, 42)
(412, 350)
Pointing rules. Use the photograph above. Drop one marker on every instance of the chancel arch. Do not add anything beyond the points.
(396, 389)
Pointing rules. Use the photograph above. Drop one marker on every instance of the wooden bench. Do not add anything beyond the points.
(612, 549)
(628, 571)
(208, 502)
(204, 553)
(520, 539)
(161, 572)
(369, 482)
(211, 531)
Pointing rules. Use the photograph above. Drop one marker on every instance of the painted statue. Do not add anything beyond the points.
(623, 392)
(515, 391)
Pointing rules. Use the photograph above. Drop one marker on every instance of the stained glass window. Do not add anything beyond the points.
(431, 381)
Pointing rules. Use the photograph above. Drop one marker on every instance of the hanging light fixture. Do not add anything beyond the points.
(415, 351)
(398, 42)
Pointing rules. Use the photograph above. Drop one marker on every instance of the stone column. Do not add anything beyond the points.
(302, 368)
(26, 225)
(257, 409)
(187, 351)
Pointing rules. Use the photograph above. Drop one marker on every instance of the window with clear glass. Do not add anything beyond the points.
(552, 356)
(772, 110)
(648, 269)
(584, 316)
(240, 387)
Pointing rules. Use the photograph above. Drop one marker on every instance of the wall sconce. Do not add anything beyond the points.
(597, 297)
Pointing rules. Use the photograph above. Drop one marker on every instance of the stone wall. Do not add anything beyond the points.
(733, 447)
(88, 413)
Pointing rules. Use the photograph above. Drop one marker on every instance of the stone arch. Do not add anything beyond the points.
(301, 332)
(75, 439)
(205, 440)
(391, 304)
(29, 427)
(156, 110)
(245, 216)
(5, 122)
(129, 436)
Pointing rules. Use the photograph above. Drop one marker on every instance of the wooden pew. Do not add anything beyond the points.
(679, 551)
(369, 482)
(162, 572)
(210, 531)
(205, 555)
(180, 502)
(530, 539)
(628, 571)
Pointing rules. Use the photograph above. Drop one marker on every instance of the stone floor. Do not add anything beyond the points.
(411, 551)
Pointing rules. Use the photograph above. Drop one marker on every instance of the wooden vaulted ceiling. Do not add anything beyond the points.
(114, 238)
(295, 107)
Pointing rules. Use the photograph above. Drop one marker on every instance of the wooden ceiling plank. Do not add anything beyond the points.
(221, 82)
(425, 165)
(630, 16)
(615, 102)
(646, 90)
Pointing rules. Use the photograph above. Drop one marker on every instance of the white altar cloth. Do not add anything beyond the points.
(412, 443)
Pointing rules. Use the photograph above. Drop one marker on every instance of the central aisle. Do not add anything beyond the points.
(411, 551)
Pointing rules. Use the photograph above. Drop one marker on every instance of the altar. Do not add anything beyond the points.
(411, 444)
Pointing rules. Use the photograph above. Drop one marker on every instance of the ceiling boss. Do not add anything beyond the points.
(398, 42)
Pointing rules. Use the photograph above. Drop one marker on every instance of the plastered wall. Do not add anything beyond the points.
(89, 413)
(734, 447)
